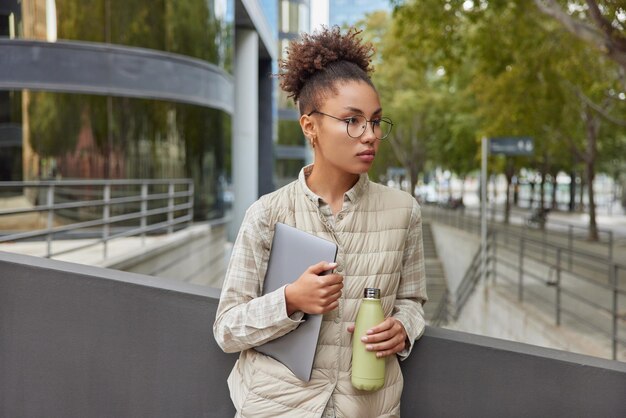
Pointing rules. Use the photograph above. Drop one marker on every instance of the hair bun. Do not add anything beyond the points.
(315, 52)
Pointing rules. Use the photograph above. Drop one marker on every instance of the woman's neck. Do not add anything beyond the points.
(331, 185)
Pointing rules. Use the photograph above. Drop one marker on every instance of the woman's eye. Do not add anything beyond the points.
(376, 122)
(354, 120)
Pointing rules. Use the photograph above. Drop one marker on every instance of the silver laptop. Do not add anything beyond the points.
(292, 252)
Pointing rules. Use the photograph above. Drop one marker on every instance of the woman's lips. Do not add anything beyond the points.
(366, 156)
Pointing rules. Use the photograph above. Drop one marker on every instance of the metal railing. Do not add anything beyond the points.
(135, 206)
(471, 278)
(583, 288)
(594, 258)
(554, 230)
(591, 304)
(441, 313)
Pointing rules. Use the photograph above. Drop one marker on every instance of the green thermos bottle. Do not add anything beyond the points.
(368, 371)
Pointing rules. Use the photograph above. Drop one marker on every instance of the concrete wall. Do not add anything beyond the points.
(194, 255)
(81, 341)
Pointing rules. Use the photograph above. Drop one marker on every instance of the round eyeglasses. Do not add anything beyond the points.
(356, 125)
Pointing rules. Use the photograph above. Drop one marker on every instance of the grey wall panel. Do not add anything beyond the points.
(455, 374)
(79, 341)
(92, 68)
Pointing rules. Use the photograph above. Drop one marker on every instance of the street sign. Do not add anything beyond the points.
(511, 146)
(396, 171)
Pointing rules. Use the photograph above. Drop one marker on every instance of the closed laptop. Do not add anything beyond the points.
(292, 252)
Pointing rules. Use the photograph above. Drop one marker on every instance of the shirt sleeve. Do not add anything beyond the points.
(244, 317)
(411, 294)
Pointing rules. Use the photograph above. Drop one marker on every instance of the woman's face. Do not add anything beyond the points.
(334, 148)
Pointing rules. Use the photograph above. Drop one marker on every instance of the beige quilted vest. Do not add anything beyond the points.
(371, 239)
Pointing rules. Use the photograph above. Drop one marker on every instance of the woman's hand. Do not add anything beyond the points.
(387, 338)
(313, 293)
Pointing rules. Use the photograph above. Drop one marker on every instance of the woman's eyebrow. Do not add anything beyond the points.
(357, 110)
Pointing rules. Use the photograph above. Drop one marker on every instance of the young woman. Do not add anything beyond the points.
(377, 229)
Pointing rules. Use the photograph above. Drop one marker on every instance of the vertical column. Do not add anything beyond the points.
(267, 111)
(245, 150)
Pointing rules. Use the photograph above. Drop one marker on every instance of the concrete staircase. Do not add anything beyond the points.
(436, 285)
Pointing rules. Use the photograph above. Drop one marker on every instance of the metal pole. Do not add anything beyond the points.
(105, 218)
(611, 242)
(543, 241)
(50, 202)
(558, 287)
(483, 209)
(570, 244)
(191, 193)
(494, 260)
(520, 285)
(144, 210)
(507, 228)
(170, 208)
(614, 273)
(492, 206)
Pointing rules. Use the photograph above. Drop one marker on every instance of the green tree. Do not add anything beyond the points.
(601, 24)
(524, 72)
(418, 98)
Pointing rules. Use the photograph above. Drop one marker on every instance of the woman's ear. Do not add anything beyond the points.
(309, 127)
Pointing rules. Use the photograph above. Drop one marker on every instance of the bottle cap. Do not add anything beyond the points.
(371, 293)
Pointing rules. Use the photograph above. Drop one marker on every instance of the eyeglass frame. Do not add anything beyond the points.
(347, 122)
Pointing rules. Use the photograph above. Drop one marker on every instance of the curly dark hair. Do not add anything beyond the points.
(318, 61)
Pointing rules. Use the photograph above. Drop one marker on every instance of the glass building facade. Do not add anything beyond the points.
(118, 89)
(291, 150)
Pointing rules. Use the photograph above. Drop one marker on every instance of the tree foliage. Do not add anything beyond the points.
(601, 24)
(455, 71)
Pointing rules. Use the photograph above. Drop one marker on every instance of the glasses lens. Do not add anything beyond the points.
(382, 128)
(356, 125)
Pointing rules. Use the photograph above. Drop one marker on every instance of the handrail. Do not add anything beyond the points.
(556, 248)
(600, 313)
(568, 229)
(554, 257)
(440, 316)
(472, 224)
(470, 279)
(175, 203)
(94, 182)
(88, 203)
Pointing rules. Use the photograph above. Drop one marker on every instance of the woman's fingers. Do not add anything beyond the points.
(387, 338)
(388, 323)
(313, 293)
(394, 350)
(384, 331)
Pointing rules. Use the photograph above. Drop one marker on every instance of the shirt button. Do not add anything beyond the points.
(337, 320)
(339, 269)
(340, 216)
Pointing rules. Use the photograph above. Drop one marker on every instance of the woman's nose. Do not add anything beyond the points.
(368, 134)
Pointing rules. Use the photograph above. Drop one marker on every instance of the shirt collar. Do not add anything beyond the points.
(353, 195)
